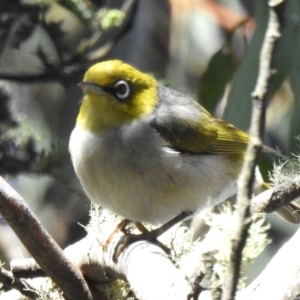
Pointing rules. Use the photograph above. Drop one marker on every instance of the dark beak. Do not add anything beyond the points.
(90, 87)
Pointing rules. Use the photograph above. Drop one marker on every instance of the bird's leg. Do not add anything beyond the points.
(141, 227)
(120, 227)
(144, 230)
(154, 234)
(147, 235)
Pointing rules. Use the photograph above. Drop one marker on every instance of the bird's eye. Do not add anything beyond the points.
(121, 89)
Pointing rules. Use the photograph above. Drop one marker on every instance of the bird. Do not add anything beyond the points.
(152, 154)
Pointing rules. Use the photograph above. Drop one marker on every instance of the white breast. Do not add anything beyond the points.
(131, 172)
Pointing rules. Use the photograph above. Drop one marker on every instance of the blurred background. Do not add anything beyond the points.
(208, 49)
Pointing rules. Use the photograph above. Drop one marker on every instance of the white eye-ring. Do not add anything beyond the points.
(121, 89)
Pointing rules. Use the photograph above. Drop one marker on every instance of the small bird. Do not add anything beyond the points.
(149, 153)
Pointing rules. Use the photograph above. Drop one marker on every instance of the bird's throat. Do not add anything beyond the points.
(100, 114)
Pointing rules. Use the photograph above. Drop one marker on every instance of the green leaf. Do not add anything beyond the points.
(215, 78)
(238, 109)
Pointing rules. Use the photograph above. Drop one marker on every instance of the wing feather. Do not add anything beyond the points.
(188, 127)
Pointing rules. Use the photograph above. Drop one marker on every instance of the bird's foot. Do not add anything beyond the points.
(146, 235)
(130, 238)
(120, 227)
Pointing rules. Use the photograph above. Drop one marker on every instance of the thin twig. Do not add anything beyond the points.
(276, 197)
(247, 176)
(28, 268)
(40, 244)
(6, 277)
(137, 264)
(10, 283)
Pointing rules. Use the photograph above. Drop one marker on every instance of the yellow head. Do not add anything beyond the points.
(115, 93)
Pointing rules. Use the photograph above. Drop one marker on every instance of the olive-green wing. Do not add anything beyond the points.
(188, 127)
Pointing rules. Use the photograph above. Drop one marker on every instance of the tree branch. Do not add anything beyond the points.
(247, 176)
(146, 267)
(276, 197)
(41, 246)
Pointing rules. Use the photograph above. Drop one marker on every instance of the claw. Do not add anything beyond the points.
(145, 235)
(120, 227)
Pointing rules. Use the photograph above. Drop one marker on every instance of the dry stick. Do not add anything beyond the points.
(6, 277)
(40, 245)
(276, 197)
(247, 176)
